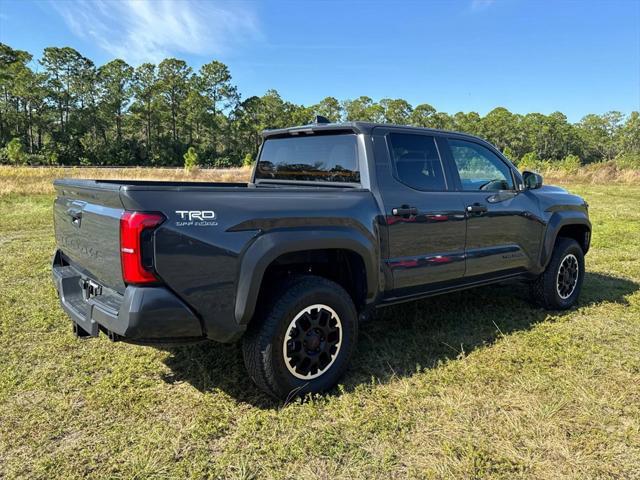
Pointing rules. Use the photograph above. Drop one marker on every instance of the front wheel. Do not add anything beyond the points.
(558, 288)
(304, 341)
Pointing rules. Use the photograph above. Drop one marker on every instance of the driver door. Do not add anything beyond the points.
(503, 228)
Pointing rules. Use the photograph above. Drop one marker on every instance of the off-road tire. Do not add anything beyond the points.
(263, 342)
(545, 290)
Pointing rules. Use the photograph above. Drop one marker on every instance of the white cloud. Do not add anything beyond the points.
(481, 4)
(150, 30)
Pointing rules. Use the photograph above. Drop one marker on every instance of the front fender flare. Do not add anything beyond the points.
(266, 248)
(558, 220)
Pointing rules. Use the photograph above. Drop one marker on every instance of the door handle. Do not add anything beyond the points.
(404, 210)
(476, 208)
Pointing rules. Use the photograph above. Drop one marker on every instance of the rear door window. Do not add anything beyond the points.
(321, 158)
(417, 162)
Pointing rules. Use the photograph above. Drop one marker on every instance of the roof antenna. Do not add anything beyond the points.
(321, 119)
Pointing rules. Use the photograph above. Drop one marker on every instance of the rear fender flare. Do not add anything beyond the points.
(266, 248)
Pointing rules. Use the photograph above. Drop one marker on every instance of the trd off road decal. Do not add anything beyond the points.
(196, 218)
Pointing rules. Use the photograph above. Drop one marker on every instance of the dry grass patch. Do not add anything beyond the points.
(595, 174)
(28, 180)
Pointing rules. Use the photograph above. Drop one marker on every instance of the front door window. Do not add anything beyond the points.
(479, 168)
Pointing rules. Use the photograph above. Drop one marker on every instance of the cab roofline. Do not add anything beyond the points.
(357, 127)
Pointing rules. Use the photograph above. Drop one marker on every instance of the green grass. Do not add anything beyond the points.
(478, 384)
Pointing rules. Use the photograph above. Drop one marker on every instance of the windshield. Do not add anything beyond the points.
(323, 158)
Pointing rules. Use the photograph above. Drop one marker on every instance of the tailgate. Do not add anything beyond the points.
(87, 226)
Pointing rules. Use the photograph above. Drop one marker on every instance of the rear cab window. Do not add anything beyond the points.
(325, 158)
(416, 161)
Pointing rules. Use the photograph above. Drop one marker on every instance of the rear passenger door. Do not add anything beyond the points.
(425, 221)
(503, 227)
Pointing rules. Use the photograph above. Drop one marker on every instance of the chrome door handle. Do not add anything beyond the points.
(476, 208)
(404, 211)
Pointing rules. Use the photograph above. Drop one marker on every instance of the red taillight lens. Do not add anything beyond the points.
(132, 227)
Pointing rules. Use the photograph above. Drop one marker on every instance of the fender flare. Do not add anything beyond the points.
(266, 248)
(558, 220)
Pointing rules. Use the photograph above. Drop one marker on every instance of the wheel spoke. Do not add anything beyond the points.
(304, 365)
(324, 359)
(293, 346)
(305, 322)
(323, 318)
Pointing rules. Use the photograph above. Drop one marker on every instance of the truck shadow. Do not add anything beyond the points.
(401, 339)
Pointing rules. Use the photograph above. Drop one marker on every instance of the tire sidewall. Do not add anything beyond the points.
(342, 305)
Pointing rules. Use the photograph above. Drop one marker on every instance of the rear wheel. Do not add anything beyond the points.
(304, 340)
(558, 288)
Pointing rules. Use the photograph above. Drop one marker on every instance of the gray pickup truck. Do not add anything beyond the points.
(337, 221)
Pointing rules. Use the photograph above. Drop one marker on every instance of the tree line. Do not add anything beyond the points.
(65, 110)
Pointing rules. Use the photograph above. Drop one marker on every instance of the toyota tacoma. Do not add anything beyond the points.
(337, 221)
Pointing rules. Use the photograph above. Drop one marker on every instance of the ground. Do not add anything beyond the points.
(478, 384)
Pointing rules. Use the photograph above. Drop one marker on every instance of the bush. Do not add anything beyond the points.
(190, 159)
(37, 159)
(570, 164)
(247, 161)
(529, 161)
(51, 157)
(15, 153)
(224, 162)
(628, 161)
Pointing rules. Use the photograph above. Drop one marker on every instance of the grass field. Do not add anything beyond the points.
(478, 384)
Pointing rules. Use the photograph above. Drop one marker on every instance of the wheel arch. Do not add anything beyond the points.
(346, 247)
(569, 224)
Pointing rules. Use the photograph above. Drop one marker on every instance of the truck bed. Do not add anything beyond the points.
(198, 250)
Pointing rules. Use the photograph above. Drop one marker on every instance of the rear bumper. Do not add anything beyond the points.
(141, 315)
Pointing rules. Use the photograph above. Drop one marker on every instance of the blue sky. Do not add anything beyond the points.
(469, 55)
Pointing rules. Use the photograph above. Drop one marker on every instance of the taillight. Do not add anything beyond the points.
(135, 234)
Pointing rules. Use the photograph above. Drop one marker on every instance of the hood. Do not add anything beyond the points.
(553, 198)
(552, 189)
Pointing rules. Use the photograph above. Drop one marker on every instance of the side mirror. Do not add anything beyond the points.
(531, 180)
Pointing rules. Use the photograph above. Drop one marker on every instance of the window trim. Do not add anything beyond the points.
(394, 169)
(456, 173)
